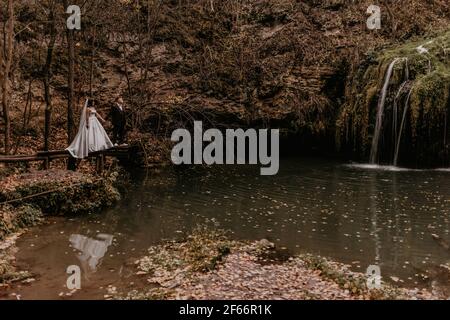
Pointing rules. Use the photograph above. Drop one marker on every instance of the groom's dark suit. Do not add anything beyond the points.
(119, 120)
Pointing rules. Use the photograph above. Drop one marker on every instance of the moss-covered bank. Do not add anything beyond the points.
(59, 192)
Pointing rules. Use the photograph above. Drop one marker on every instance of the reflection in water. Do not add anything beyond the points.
(92, 250)
(354, 214)
(374, 219)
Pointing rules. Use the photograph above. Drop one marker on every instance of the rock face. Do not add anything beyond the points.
(278, 63)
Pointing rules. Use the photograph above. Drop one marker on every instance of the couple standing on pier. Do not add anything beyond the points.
(91, 136)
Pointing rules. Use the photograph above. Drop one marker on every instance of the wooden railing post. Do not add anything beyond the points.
(100, 163)
(47, 163)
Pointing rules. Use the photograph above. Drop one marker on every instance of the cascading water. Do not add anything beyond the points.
(395, 110)
(406, 69)
(402, 124)
(396, 99)
(380, 112)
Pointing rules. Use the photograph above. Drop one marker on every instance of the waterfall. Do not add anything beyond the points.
(395, 110)
(380, 113)
(402, 124)
(406, 69)
(395, 107)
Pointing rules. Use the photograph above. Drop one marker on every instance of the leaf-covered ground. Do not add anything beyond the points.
(8, 271)
(207, 265)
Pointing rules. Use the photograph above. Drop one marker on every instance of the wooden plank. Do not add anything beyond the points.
(53, 153)
(118, 152)
(59, 156)
(11, 159)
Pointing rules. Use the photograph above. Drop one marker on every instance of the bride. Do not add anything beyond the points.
(91, 135)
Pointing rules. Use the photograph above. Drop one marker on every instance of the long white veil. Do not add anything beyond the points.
(83, 116)
(79, 148)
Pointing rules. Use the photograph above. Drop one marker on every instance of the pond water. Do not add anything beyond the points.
(357, 214)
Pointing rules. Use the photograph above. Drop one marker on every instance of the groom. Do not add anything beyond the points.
(118, 117)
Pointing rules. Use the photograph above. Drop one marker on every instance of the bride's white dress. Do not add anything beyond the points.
(89, 139)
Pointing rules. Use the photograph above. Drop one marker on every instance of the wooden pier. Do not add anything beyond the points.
(124, 153)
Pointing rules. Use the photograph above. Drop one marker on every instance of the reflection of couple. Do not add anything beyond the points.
(91, 136)
(91, 250)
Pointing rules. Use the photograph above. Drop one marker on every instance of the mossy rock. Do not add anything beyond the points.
(14, 219)
(422, 72)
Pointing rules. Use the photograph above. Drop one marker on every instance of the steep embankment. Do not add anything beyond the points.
(287, 64)
(275, 63)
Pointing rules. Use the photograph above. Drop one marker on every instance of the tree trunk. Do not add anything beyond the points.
(26, 116)
(70, 95)
(6, 56)
(91, 68)
(47, 78)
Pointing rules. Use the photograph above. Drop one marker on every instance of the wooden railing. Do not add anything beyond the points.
(121, 152)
